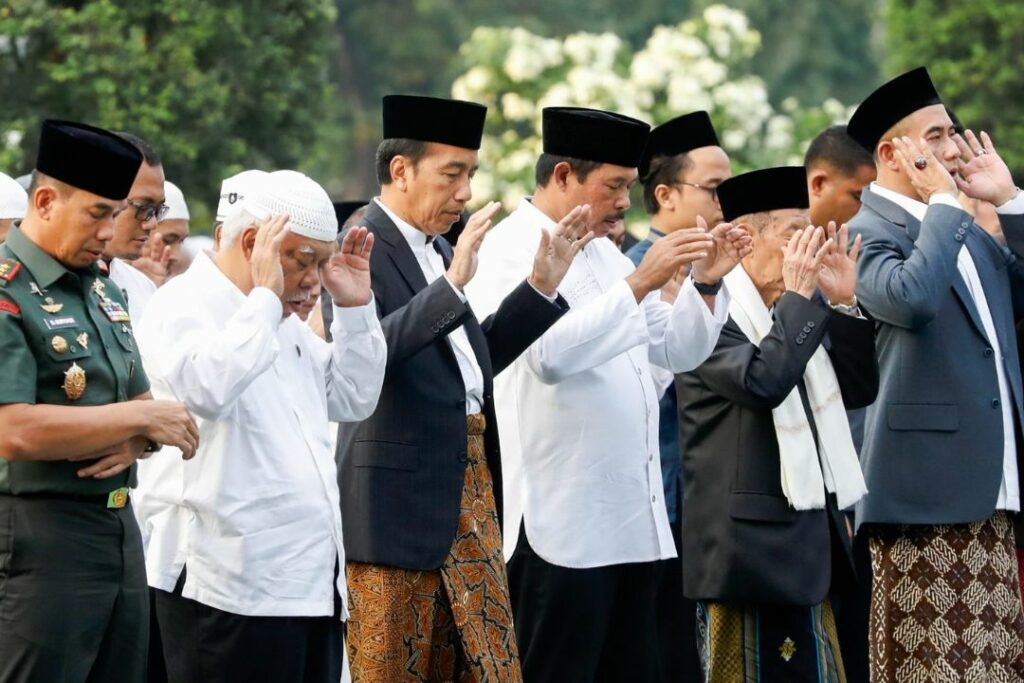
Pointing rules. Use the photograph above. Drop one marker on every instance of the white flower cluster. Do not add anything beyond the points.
(702, 63)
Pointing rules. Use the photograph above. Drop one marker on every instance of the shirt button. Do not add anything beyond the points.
(810, 324)
(654, 499)
(995, 403)
(964, 225)
(799, 340)
(807, 330)
(650, 458)
(988, 353)
(959, 238)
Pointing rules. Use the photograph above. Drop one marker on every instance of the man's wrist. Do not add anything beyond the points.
(1006, 197)
(543, 288)
(704, 287)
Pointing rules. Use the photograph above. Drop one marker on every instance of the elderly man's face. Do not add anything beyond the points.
(131, 234)
(438, 187)
(606, 190)
(770, 233)
(301, 258)
(172, 233)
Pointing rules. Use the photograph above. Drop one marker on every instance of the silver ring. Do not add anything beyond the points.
(981, 151)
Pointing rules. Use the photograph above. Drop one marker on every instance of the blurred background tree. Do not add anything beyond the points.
(235, 84)
(974, 52)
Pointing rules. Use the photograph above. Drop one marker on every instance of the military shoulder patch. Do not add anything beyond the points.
(8, 269)
(9, 307)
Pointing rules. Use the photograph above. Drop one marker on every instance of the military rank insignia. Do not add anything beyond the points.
(8, 269)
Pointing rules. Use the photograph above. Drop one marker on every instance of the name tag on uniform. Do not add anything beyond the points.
(59, 323)
(114, 311)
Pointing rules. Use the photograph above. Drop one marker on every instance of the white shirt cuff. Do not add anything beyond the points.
(354, 318)
(458, 292)
(1014, 206)
(944, 198)
(269, 304)
(551, 299)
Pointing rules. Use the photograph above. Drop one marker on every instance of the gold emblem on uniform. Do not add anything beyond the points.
(51, 306)
(74, 382)
(117, 498)
(99, 288)
(787, 649)
(59, 344)
(83, 340)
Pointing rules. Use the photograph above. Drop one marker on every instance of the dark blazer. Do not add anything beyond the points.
(741, 538)
(401, 470)
(933, 442)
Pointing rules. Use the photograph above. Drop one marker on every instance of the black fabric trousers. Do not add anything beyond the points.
(678, 659)
(74, 606)
(207, 645)
(584, 625)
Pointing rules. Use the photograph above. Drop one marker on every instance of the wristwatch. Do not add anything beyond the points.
(706, 290)
(847, 309)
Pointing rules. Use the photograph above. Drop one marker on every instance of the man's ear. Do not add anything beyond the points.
(663, 196)
(43, 201)
(248, 241)
(400, 171)
(886, 152)
(816, 181)
(561, 174)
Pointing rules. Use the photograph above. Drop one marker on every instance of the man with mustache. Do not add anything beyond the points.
(244, 546)
(940, 451)
(585, 522)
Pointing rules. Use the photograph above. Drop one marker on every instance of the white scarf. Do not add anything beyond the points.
(802, 468)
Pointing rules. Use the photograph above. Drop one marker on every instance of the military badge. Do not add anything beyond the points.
(74, 382)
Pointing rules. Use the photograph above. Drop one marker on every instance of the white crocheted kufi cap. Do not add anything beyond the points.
(174, 198)
(13, 198)
(309, 208)
(233, 190)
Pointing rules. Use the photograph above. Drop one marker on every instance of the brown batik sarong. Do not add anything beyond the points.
(450, 624)
(946, 604)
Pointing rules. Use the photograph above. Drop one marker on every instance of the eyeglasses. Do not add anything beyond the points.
(147, 212)
(712, 190)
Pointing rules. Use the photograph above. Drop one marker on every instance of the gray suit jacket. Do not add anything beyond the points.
(933, 441)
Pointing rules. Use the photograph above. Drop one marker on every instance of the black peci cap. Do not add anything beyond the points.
(890, 104)
(89, 158)
(770, 189)
(432, 119)
(679, 136)
(594, 135)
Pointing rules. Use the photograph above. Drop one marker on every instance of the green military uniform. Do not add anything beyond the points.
(73, 596)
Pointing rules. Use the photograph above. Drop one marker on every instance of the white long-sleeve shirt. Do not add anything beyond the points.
(578, 412)
(255, 515)
(1009, 487)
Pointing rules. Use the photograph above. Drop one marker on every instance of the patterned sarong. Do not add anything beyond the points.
(761, 643)
(451, 624)
(945, 603)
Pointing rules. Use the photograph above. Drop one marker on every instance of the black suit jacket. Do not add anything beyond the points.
(741, 538)
(401, 470)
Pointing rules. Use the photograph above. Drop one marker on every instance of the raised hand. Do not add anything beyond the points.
(802, 258)
(985, 174)
(932, 178)
(730, 245)
(558, 249)
(467, 249)
(346, 276)
(666, 256)
(155, 260)
(838, 276)
(265, 261)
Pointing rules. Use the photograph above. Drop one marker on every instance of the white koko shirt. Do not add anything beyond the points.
(1009, 488)
(255, 515)
(578, 412)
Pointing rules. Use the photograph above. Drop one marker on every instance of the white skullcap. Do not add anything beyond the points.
(309, 208)
(13, 198)
(174, 198)
(233, 190)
